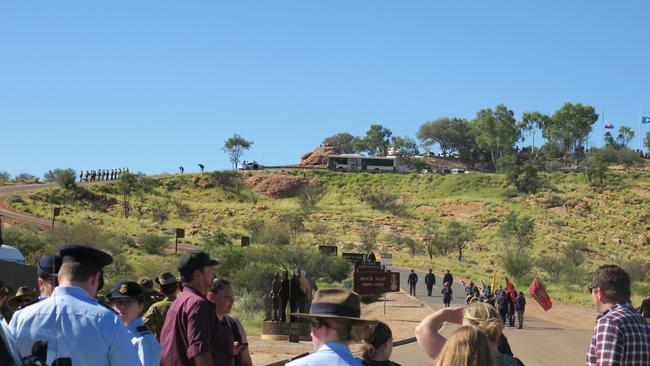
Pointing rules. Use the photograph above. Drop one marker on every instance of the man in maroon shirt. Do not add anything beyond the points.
(187, 335)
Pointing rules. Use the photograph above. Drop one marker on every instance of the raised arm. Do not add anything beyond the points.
(427, 331)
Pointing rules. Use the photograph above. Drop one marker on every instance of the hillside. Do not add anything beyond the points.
(613, 222)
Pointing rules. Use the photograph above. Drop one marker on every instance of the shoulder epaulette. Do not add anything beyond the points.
(143, 329)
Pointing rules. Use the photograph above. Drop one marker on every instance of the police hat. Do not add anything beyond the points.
(166, 279)
(85, 255)
(194, 260)
(126, 289)
(48, 266)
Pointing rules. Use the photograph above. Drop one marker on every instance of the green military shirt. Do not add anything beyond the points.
(154, 318)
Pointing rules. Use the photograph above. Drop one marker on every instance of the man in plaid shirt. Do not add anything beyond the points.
(622, 335)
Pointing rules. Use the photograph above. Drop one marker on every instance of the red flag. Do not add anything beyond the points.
(538, 292)
(511, 288)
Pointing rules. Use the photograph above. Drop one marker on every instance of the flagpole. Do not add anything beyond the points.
(640, 133)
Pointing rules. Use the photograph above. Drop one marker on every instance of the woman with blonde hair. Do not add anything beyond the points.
(482, 315)
(467, 346)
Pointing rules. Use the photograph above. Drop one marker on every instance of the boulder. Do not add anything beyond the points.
(318, 157)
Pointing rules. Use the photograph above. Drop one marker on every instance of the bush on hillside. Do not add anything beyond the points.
(26, 178)
(153, 244)
(4, 176)
(383, 201)
(310, 196)
(63, 177)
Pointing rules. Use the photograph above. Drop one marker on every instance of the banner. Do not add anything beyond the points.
(645, 119)
(538, 292)
(513, 293)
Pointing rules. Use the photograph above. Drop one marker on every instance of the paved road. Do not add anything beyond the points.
(540, 343)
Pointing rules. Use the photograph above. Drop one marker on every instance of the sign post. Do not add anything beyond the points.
(55, 213)
(180, 233)
(245, 241)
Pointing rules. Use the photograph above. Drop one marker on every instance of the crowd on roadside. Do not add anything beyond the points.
(186, 321)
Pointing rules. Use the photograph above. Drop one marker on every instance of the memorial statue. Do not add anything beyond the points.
(285, 289)
(181, 169)
(275, 297)
(201, 166)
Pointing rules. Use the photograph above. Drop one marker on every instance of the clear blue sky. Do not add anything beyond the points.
(156, 84)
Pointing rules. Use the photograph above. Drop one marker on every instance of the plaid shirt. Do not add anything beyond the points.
(621, 337)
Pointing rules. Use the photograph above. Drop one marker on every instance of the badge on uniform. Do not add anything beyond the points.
(124, 289)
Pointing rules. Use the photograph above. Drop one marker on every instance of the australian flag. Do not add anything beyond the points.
(645, 119)
(609, 125)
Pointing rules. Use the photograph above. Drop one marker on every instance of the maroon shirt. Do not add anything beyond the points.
(188, 330)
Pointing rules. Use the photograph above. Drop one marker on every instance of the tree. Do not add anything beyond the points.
(459, 235)
(4, 176)
(646, 140)
(435, 240)
(625, 135)
(531, 122)
(368, 238)
(404, 146)
(343, 142)
(596, 164)
(63, 177)
(376, 141)
(497, 131)
(451, 135)
(310, 196)
(517, 234)
(295, 223)
(569, 127)
(127, 184)
(235, 146)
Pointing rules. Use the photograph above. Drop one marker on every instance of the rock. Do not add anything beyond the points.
(277, 185)
(318, 157)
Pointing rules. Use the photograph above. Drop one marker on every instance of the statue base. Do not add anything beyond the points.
(280, 331)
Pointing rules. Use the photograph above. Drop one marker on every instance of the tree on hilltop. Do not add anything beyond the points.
(497, 131)
(63, 177)
(569, 127)
(376, 141)
(235, 146)
(343, 142)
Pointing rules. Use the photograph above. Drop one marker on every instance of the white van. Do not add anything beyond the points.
(11, 254)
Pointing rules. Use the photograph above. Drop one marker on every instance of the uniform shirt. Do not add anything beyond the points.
(621, 337)
(330, 354)
(154, 318)
(74, 326)
(188, 330)
(8, 345)
(146, 344)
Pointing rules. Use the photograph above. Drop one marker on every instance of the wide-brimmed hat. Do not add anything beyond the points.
(335, 303)
(166, 279)
(22, 293)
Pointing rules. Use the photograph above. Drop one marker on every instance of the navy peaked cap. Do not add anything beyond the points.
(85, 255)
(49, 265)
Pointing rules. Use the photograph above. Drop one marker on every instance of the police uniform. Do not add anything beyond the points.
(72, 322)
(144, 341)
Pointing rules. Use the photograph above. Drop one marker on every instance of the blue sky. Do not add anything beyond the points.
(156, 84)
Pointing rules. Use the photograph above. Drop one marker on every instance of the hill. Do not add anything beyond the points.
(217, 208)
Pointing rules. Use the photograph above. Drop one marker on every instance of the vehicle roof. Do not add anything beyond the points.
(9, 253)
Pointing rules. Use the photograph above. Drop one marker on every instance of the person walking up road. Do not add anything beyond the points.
(448, 278)
(520, 307)
(412, 281)
(621, 335)
(430, 280)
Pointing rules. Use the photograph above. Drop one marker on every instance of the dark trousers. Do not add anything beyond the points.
(429, 289)
(412, 289)
(520, 317)
(283, 309)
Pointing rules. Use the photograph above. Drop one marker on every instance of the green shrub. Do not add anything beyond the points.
(63, 177)
(153, 244)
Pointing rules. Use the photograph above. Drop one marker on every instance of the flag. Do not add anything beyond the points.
(494, 283)
(645, 119)
(538, 292)
(513, 293)
(609, 125)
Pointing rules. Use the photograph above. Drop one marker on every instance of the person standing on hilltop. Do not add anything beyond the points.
(621, 335)
(412, 281)
(430, 280)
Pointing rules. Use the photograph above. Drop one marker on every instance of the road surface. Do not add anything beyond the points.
(539, 343)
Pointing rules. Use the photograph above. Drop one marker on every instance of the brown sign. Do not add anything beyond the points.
(366, 283)
(328, 249)
(353, 258)
(368, 267)
(245, 241)
(180, 233)
(302, 329)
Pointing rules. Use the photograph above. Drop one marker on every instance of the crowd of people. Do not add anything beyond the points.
(101, 174)
(187, 321)
(67, 322)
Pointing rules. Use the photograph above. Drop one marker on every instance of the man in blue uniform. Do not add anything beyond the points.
(127, 299)
(71, 321)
